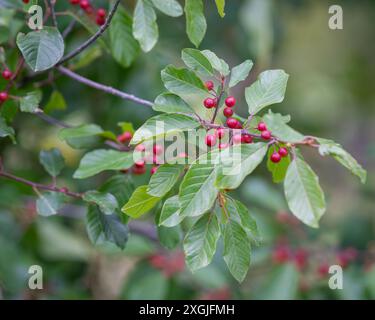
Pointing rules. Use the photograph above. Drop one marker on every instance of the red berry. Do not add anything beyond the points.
(223, 145)
(232, 123)
(154, 169)
(230, 101)
(275, 157)
(125, 137)
(239, 125)
(323, 269)
(26, 1)
(3, 96)
(101, 13)
(140, 163)
(140, 148)
(210, 140)
(220, 133)
(209, 85)
(85, 4)
(281, 254)
(139, 170)
(237, 139)
(283, 152)
(7, 74)
(300, 258)
(262, 126)
(246, 138)
(157, 149)
(266, 135)
(228, 112)
(100, 21)
(74, 2)
(209, 103)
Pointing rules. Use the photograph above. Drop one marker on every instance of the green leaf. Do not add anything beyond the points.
(196, 24)
(101, 160)
(169, 7)
(139, 203)
(124, 47)
(41, 49)
(49, 203)
(268, 89)
(200, 242)
(30, 103)
(197, 190)
(86, 130)
(237, 250)
(303, 193)
(220, 4)
(197, 62)
(52, 161)
(278, 170)
(170, 213)
(6, 131)
(169, 237)
(2, 55)
(163, 180)
(218, 64)
(238, 163)
(103, 228)
(10, 4)
(87, 57)
(126, 126)
(182, 81)
(56, 102)
(329, 147)
(171, 103)
(145, 29)
(277, 124)
(106, 201)
(240, 72)
(163, 125)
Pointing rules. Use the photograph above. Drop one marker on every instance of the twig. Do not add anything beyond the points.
(218, 100)
(107, 89)
(51, 4)
(93, 38)
(52, 120)
(69, 28)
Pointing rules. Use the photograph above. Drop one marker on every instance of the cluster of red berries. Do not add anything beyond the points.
(284, 253)
(88, 8)
(7, 75)
(170, 264)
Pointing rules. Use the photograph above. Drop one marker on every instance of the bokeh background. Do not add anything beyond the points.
(330, 93)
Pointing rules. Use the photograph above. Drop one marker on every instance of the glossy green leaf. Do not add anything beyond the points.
(268, 89)
(170, 213)
(56, 102)
(200, 242)
(278, 170)
(163, 180)
(49, 203)
(237, 250)
(329, 147)
(169, 237)
(124, 47)
(145, 29)
(240, 73)
(105, 201)
(52, 161)
(30, 102)
(218, 64)
(197, 190)
(6, 131)
(101, 160)
(82, 131)
(163, 125)
(220, 4)
(303, 193)
(197, 62)
(171, 103)
(169, 7)
(196, 24)
(41, 49)
(139, 203)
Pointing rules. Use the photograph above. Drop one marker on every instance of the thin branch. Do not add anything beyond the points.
(107, 89)
(69, 28)
(51, 120)
(51, 5)
(93, 38)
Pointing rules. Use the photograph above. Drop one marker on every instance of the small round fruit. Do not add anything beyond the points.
(140, 163)
(74, 2)
(209, 103)
(154, 169)
(237, 139)
(124, 137)
(275, 157)
(262, 126)
(232, 123)
(3, 96)
(239, 125)
(266, 135)
(157, 149)
(139, 170)
(7, 74)
(220, 132)
(140, 148)
(85, 4)
(230, 101)
(210, 140)
(283, 152)
(26, 1)
(209, 85)
(101, 12)
(100, 20)
(228, 112)
(246, 138)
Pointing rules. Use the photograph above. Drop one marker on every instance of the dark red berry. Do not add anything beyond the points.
(209, 103)
(74, 2)
(239, 125)
(210, 140)
(262, 126)
(281, 254)
(139, 170)
(237, 139)
(101, 12)
(323, 269)
(157, 149)
(220, 133)
(85, 4)
(275, 157)
(3, 96)
(26, 1)
(232, 123)
(266, 135)
(140, 163)
(124, 137)
(230, 101)
(209, 85)
(7, 74)
(246, 138)
(154, 169)
(300, 258)
(228, 112)
(100, 21)
(283, 152)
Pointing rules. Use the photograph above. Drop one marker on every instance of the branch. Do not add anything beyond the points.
(91, 40)
(107, 89)
(51, 5)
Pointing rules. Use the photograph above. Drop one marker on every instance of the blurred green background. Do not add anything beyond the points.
(331, 93)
